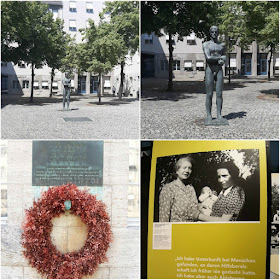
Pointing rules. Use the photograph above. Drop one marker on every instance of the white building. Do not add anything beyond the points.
(16, 79)
(189, 60)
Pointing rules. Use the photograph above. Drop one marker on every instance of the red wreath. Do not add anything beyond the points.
(37, 226)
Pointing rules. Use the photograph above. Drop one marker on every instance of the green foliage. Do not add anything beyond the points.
(262, 21)
(124, 19)
(231, 22)
(246, 21)
(275, 198)
(181, 18)
(101, 50)
(69, 62)
(30, 34)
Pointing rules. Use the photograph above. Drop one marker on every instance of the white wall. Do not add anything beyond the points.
(123, 254)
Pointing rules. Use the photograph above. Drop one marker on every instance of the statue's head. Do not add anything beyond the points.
(67, 75)
(214, 32)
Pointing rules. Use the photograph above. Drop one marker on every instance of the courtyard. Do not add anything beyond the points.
(250, 105)
(87, 119)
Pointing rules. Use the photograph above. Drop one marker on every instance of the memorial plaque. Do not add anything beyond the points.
(59, 162)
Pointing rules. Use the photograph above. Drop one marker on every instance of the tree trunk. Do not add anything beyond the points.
(269, 63)
(99, 88)
(170, 64)
(229, 66)
(32, 82)
(52, 76)
(122, 80)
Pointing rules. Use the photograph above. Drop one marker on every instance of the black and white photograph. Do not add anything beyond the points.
(215, 186)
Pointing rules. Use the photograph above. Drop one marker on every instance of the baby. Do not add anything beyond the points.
(207, 199)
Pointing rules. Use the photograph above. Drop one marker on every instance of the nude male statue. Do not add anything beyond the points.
(215, 59)
(66, 90)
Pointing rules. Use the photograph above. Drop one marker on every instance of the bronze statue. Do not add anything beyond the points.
(215, 58)
(66, 90)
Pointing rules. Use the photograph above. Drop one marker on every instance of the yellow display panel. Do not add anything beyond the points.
(201, 250)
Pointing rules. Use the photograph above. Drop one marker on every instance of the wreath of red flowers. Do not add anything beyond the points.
(37, 226)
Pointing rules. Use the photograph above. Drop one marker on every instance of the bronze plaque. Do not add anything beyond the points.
(59, 162)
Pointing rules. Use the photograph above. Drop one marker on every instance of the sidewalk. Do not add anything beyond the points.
(250, 105)
(45, 119)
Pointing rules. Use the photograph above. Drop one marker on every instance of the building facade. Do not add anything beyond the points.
(119, 192)
(16, 79)
(189, 61)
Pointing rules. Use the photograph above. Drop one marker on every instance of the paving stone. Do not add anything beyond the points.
(180, 114)
(44, 119)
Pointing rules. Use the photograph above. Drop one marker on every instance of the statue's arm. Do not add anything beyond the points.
(223, 56)
(209, 58)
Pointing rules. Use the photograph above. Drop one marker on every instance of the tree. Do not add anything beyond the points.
(124, 16)
(231, 22)
(101, 50)
(247, 21)
(26, 28)
(177, 18)
(58, 43)
(262, 24)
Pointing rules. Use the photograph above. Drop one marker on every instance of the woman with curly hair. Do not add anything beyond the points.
(230, 200)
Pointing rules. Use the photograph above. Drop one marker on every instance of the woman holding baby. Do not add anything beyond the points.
(231, 199)
(178, 201)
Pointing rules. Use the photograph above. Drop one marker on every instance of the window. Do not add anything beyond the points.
(36, 85)
(90, 8)
(25, 84)
(72, 25)
(176, 64)
(233, 63)
(55, 14)
(72, 7)
(167, 39)
(199, 65)
(148, 39)
(15, 84)
(55, 85)
(164, 65)
(277, 63)
(191, 39)
(107, 84)
(45, 85)
(188, 65)
(4, 84)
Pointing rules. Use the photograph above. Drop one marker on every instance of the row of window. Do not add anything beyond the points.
(73, 7)
(73, 25)
(188, 65)
(148, 39)
(25, 84)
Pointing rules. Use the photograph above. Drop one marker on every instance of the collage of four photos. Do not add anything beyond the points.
(139, 139)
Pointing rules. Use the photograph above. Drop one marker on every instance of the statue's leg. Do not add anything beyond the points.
(219, 93)
(209, 80)
(64, 93)
(68, 98)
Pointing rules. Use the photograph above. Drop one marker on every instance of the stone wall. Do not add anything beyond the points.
(69, 232)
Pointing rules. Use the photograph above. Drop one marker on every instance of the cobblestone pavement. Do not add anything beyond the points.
(250, 105)
(44, 118)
